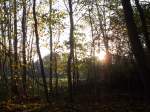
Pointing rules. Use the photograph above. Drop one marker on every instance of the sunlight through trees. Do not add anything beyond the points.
(74, 55)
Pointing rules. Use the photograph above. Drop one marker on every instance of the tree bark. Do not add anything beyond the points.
(51, 46)
(15, 44)
(39, 52)
(24, 30)
(144, 26)
(15, 39)
(136, 46)
(71, 54)
(56, 75)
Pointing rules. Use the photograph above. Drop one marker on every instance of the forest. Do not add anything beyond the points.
(74, 55)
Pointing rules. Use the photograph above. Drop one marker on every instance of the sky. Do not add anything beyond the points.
(64, 35)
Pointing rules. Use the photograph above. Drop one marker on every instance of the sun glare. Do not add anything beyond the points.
(101, 55)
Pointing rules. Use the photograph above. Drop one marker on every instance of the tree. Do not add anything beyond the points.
(102, 22)
(71, 53)
(144, 25)
(136, 45)
(24, 29)
(9, 16)
(15, 44)
(51, 44)
(39, 52)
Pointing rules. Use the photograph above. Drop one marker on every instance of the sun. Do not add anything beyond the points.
(101, 55)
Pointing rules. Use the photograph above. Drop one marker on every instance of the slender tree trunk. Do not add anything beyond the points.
(15, 39)
(3, 33)
(24, 44)
(56, 75)
(51, 46)
(15, 43)
(136, 46)
(9, 16)
(39, 52)
(76, 66)
(144, 26)
(74, 74)
(71, 54)
(90, 69)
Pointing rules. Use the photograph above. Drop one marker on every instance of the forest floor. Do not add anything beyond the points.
(83, 102)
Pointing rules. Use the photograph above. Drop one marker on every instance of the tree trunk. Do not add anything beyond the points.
(15, 43)
(144, 27)
(136, 45)
(4, 55)
(9, 16)
(76, 66)
(71, 54)
(15, 39)
(51, 46)
(56, 75)
(39, 52)
(24, 29)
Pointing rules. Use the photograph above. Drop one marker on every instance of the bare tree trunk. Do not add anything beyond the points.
(15, 38)
(144, 27)
(71, 54)
(73, 74)
(76, 66)
(51, 46)
(136, 46)
(39, 52)
(9, 16)
(56, 75)
(15, 43)
(4, 57)
(24, 30)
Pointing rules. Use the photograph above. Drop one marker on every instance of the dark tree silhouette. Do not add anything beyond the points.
(136, 45)
(144, 25)
(24, 31)
(51, 46)
(71, 54)
(39, 52)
